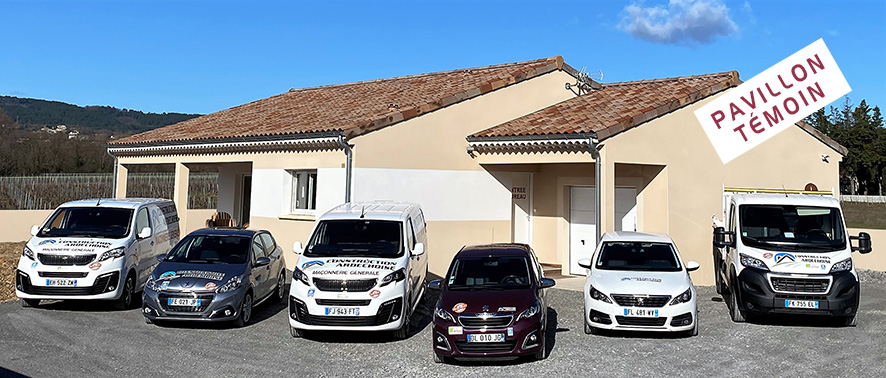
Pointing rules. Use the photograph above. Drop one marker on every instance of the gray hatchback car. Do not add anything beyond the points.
(215, 274)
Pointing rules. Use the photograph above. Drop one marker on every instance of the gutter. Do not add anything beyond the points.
(349, 153)
(595, 146)
(114, 180)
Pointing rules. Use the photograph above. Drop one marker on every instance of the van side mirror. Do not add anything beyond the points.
(692, 266)
(864, 242)
(34, 230)
(161, 257)
(144, 233)
(419, 249)
(435, 284)
(297, 248)
(723, 238)
(585, 263)
(262, 261)
(547, 282)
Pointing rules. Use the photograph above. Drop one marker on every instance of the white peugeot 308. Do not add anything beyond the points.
(637, 282)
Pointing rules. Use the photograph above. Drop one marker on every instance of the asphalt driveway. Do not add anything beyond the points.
(65, 339)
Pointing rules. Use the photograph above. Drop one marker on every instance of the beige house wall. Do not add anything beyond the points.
(692, 183)
(17, 223)
(876, 260)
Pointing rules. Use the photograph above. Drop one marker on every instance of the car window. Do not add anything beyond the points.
(410, 235)
(258, 249)
(142, 221)
(504, 272)
(643, 256)
(210, 249)
(269, 243)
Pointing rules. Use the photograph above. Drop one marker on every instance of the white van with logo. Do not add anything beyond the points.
(96, 249)
(786, 252)
(363, 269)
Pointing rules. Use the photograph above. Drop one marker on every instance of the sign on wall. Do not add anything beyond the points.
(772, 101)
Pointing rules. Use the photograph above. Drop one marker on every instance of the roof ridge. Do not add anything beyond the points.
(489, 67)
(674, 78)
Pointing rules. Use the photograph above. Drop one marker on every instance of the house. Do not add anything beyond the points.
(493, 154)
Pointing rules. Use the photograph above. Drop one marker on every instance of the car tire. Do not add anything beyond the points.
(588, 329)
(149, 321)
(735, 311)
(245, 311)
(718, 280)
(694, 331)
(127, 296)
(296, 333)
(851, 321)
(281, 287)
(403, 332)
(30, 302)
(540, 355)
(440, 359)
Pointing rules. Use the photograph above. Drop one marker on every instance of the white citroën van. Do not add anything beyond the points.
(96, 249)
(363, 268)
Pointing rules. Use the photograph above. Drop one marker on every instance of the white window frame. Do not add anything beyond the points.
(311, 188)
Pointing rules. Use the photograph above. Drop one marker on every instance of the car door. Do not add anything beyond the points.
(414, 263)
(273, 252)
(143, 253)
(259, 274)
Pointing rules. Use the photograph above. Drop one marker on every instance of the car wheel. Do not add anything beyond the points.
(281, 286)
(440, 359)
(127, 296)
(245, 311)
(735, 311)
(403, 332)
(30, 302)
(540, 355)
(693, 331)
(851, 321)
(148, 321)
(297, 333)
(718, 281)
(588, 329)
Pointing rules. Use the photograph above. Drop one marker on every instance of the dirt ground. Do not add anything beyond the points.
(9, 255)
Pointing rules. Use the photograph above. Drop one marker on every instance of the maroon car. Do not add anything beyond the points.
(492, 304)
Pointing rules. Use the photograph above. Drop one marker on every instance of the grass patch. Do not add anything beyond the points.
(9, 255)
(864, 215)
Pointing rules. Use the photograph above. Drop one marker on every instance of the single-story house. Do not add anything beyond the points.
(493, 154)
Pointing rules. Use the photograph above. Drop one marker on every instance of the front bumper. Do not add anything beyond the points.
(521, 338)
(382, 308)
(757, 294)
(611, 316)
(90, 284)
(214, 307)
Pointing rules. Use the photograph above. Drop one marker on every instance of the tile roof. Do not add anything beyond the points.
(615, 108)
(353, 108)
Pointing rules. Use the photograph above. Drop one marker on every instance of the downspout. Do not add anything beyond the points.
(349, 153)
(114, 177)
(595, 145)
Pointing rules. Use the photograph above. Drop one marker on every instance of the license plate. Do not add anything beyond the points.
(641, 312)
(61, 282)
(187, 302)
(486, 338)
(343, 311)
(790, 303)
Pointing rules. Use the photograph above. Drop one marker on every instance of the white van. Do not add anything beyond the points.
(363, 268)
(96, 249)
(786, 252)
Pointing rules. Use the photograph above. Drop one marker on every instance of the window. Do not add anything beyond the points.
(304, 191)
(410, 235)
(142, 220)
(268, 241)
(258, 250)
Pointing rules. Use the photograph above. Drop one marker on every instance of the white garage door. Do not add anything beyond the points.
(582, 221)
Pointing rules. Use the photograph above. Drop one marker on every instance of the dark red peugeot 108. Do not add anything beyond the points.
(492, 304)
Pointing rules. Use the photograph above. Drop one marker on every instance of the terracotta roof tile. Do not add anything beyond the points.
(616, 107)
(353, 108)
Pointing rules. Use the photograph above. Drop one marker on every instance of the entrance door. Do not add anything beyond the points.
(245, 201)
(626, 209)
(582, 226)
(521, 212)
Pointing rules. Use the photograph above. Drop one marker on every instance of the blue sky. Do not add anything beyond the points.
(204, 56)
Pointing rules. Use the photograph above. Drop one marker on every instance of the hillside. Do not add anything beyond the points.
(33, 114)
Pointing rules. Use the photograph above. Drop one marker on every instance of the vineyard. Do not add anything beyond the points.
(46, 192)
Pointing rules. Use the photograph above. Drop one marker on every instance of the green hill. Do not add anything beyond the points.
(33, 114)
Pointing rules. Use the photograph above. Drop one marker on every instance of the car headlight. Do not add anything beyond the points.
(596, 294)
(231, 285)
(27, 252)
(397, 276)
(684, 297)
(153, 283)
(298, 275)
(113, 254)
(752, 262)
(530, 312)
(443, 314)
(842, 266)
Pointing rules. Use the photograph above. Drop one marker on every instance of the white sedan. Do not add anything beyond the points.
(637, 281)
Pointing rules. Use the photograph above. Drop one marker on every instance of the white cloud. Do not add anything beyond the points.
(693, 21)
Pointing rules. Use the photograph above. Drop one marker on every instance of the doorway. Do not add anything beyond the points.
(245, 199)
(521, 208)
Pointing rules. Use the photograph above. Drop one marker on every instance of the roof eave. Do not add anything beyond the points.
(253, 144)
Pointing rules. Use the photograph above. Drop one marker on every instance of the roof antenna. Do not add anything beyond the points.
(98, 202)
(785, 190)
(362, 211)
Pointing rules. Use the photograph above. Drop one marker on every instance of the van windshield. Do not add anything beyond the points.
(641, 256)
(780, 227)
(92, 222)
(358, 237)
(489, 272)
(211, 249)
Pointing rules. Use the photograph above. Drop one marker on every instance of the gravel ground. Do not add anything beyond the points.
(9, 255)
(65, 339)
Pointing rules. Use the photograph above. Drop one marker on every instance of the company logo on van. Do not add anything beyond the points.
(311, 264)
(784, 258)
(49, 241)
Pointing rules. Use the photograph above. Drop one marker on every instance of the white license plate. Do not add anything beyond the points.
(343, 311)
(187, 302)
(486, 338)
(790, 303)
(61, 282)
(641, 312)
